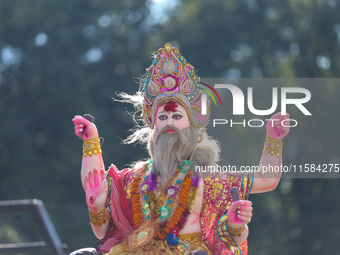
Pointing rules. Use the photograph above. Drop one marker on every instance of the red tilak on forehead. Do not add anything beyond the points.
(171, 106)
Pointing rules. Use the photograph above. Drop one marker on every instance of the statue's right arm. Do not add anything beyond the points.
(92, 174)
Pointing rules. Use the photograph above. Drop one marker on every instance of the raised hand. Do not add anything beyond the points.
(96, 189)
(84, 128)
(275, 129)
(240, 213)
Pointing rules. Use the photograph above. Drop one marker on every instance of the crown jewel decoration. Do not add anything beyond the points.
(171, 77)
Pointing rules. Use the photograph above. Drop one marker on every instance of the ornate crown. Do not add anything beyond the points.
(171, 77)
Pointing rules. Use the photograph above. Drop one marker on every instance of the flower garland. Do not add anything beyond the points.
(136, 208)
(190, 203)
(179, 209)
(187, 197)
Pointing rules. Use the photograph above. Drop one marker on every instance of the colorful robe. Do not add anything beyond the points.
(213, 217)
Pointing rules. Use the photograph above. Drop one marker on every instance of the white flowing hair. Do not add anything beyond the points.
(140, 132)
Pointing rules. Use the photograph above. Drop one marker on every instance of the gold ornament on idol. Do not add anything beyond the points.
(98, 219)
(235, 231)
(272, 147)
(91, 146)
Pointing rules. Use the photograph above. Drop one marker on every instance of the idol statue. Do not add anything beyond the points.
(163, 205)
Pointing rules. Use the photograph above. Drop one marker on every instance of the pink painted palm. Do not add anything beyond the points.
(96, 189)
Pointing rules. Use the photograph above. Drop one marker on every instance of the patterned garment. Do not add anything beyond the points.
(216, 202)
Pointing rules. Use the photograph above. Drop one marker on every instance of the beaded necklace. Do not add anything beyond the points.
(169, 217)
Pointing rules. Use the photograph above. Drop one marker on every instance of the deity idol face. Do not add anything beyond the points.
(172, 114)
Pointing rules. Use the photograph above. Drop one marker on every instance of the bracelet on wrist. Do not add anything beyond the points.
(98, 219)
(91, 146)
(272, 147)
(235, 231)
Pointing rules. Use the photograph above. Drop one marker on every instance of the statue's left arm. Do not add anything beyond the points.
(266, 179)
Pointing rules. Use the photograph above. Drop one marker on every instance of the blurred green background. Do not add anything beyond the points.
(61, 58)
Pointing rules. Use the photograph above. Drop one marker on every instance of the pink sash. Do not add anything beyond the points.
(121, 213)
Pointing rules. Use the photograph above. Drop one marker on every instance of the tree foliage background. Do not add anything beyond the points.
(61, 58)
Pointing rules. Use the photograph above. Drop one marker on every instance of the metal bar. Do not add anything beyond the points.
(53, 243)
(24, 247)
(48, 228)
(16, 205)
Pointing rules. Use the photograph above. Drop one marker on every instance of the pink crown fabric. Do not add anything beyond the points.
(171, 77)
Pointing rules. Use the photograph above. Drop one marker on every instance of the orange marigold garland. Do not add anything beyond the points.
(187, 197)
(136, 207)
(179, 209)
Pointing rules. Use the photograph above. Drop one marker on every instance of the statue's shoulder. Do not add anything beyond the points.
(222, 181)
(138, 170)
